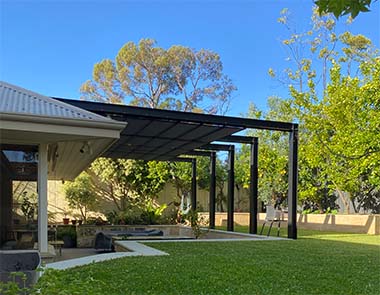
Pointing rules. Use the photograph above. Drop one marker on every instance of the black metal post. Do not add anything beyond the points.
(231, 188)
(212, 189)
(253, 187)
(194, 184)
(292, 182)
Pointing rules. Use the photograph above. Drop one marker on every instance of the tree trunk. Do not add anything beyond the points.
(344, 200)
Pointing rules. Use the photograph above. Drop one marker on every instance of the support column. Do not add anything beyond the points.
(212, 190)
(42, 198)
(253, 188)
(292, 182)
(194, 184)
(231, 188)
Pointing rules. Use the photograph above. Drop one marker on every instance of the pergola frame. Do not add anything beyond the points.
(124, 113)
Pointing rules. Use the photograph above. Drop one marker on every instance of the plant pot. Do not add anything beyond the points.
(73, 222)
(66, 220)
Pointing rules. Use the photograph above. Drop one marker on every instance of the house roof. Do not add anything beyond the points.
(17, 100)
(29, 118)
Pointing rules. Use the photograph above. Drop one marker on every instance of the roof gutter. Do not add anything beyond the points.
(113, 125)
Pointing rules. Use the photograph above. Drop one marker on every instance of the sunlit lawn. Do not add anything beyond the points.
(316, 263)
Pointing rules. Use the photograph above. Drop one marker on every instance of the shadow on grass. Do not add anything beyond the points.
(321, 235)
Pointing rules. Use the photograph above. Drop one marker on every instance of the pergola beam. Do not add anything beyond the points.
(293, 180)
(238, 139)
(199, 153)
(216, 147)
(212, 195)
(253, 186)
(231, 188)
(194, 184)
(128, 111)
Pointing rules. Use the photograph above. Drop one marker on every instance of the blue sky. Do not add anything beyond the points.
(51, 46)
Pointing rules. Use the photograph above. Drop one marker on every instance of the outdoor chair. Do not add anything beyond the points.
(272, 215)
(103, 242)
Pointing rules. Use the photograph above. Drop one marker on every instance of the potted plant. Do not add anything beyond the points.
(77, 219)
(66, 220)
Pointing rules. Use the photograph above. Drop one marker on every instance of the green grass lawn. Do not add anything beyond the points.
(316, 263)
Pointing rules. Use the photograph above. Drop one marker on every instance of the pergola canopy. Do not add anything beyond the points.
(153, 134)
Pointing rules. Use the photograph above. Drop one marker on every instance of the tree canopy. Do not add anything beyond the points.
(178, 78)
(343, 7)
(333, 85)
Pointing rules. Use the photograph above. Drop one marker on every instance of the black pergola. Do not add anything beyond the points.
(164, 135)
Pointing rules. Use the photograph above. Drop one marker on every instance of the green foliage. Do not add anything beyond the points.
(343, 7)
(29, 206)
(152, 212)
(147, 213)
(80, 194)
(181, 177)
(128, 182)
(273, 153)
(339, 144)
(69, 231)
(316, 211)
(178, 78)
(197, 223)
(16, 285)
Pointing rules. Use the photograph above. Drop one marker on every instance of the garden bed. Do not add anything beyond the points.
(86, 233)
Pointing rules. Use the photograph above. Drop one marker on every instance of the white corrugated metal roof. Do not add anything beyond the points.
(17, 100)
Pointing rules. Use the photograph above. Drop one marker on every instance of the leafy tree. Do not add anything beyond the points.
(80, 195)
(143, 74)
(273, 153)
(178, 78)
(338, 142)
(181, 178)
(343, 7)
(128, 182)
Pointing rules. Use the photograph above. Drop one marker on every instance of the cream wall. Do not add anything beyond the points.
(169, 194)
(364, 224)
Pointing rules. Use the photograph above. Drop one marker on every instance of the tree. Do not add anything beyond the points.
(80, 195)
(343, 7)
(337, 139)
(143, 74)
(273, 153)
(179, 78)
(181, 178)
(351, 106)
(128, 182)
